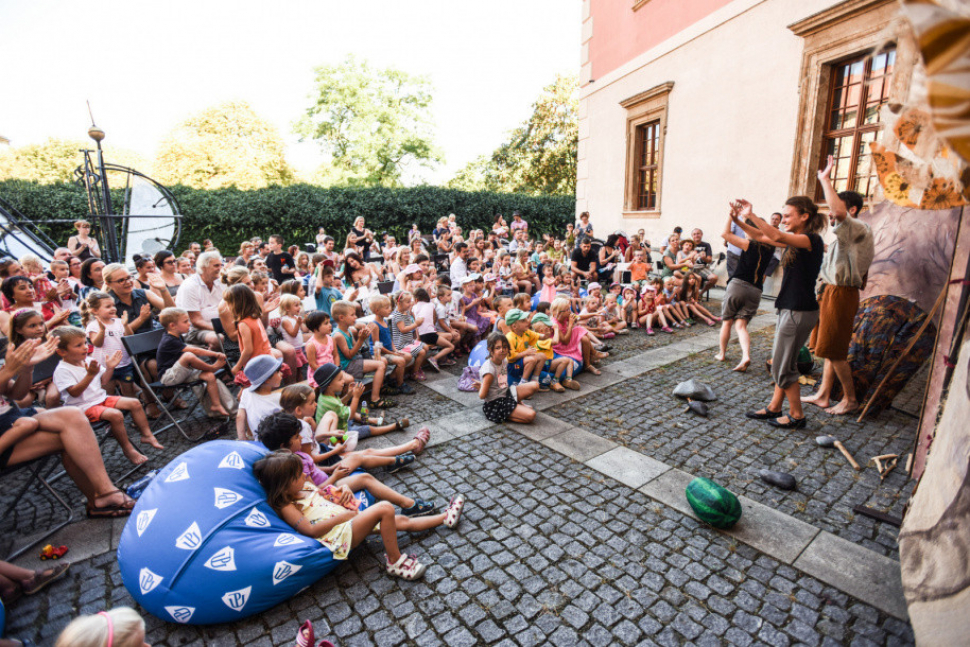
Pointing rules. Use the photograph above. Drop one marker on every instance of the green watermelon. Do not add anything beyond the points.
(713, 504)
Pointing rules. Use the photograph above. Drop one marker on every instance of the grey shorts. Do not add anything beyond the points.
(741, 300)
(196, 337)
(356, 368)
(791, 333)
(179, 374)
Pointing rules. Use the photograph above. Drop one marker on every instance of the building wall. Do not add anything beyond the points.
(731, 118)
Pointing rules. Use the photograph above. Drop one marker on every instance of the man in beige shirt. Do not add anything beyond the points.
(843, 275)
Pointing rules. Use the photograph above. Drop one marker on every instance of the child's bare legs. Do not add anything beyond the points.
(363, 525)
(212, 388)
(528, 367)
(358, 482)
(133, 406)
(417, 524)
(116, 419)
(420, 358)
(522, 413)
(286, 351)
(705, 312)
(724, 339)
(19, 430)
(524, 286)
(445, 345)
(127, 389)
(399, 364)
(588, 351)
(378, 367)
(52, 397)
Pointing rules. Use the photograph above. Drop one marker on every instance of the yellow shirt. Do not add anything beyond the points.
(544, 346)
(520, 344)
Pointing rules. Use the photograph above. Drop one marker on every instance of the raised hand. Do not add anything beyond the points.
(43, 351)
(112, 361)
(93, 368)
(124, 318)
(826, 173)
(144, 312)
(101, 327)
(746, 209)
(18, 358)
(60, 315)
(359, 389)
(155, 281)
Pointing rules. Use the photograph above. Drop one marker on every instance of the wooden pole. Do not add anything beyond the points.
(909, 347)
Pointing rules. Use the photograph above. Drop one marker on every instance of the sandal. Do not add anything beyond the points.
(420, 508)
(400, 462)
(766, 414)
(572, 384)
(383, 403)
(402, 424)
(453, 511)
(422, 437)
(41, 579)
(304, 635)
(407, 567)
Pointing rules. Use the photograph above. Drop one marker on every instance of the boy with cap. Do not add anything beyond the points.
(260, 399)
(338, 412)
(556, 366)
(524, 359)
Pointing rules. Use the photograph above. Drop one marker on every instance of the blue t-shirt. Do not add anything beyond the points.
(384, 336)
(326, 298)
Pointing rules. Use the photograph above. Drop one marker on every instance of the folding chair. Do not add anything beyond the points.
(142, 347)
(40, 471)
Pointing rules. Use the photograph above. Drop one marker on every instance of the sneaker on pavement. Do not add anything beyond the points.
(434, 364)
(453, 511)
(405, 389)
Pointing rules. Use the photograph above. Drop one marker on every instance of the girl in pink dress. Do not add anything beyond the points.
(576, 343)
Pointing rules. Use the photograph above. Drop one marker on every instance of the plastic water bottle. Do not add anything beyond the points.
(364, 412)
(135, 489)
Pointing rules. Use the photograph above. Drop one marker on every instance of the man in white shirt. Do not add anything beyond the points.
(459, 266)
(200, 295)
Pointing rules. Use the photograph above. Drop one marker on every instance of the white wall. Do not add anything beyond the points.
(730, 121)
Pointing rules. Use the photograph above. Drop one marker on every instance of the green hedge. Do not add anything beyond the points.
(227, 216)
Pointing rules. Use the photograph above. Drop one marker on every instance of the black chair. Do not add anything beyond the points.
(143, 346)
(40, 471)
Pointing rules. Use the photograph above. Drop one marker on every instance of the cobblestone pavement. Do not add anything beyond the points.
(36, 512)
(642, 414)
(548, 552)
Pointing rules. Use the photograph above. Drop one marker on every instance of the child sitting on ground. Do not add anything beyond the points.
(631, 308)
(339, 529)
(651, 310)
(348, 341)
(469, 305)
(639, 269)
(502, 400)
(555, 366)
(502, 305)
(524, 360)
(81, 384)
(282, 430)
(443, 320)
(522, 301)
(319, 349)
(403, 325)
(613, 315)
(260, 399)
(690, 294)
(179, 363)
(424, 311)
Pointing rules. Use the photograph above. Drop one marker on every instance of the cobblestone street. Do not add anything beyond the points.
(552, 551)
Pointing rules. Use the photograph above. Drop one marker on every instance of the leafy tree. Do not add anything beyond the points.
(55, 160)
(226, 145)
(372, 123)
(540, 155)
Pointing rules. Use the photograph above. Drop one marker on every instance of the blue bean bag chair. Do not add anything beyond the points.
(202, 545)
(479, 354)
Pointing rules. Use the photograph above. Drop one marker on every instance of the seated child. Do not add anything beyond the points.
(613, 315)
(443, 319)
(502, 400)
(27, 324)
(320, 348)
(81, 384)
(252, 337)
(348, 341)
(556, 366)
(525, 361)
(382, 343)
(291, 325)
(651, 310)
(631, 309)
(424, 311)
(179, 363)
(502, 305)
(104, 331)
(639, 269)
(522, 301)
(303, 506)
(260, 399)
(281, 431)
(403, 325)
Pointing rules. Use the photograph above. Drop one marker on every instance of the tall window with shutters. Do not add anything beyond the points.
(860, 87)
(647, 156)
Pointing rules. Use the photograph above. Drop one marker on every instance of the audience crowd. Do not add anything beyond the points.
(322, 339)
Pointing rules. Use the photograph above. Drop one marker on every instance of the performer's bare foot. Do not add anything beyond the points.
(843, 408)
(817, 401)
(719, 357)
(743, 366)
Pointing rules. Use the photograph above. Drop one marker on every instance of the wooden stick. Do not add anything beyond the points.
(909, 347)
(909, 463)
(878, 464)
(848, 456)
(884, 457)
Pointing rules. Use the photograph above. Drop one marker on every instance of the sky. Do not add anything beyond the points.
(145, 67)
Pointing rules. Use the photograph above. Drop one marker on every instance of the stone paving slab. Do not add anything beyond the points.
(578, 444)
(631, 468)
(549, 551)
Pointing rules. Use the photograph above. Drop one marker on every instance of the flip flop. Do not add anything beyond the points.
(112, 509)
(41, 580)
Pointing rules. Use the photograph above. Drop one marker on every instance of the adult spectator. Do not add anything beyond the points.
(584, 228)
(19, 293)
(845, 267)
(144, 267)
(734, 251)
(459, 266)
(361, 238)
(499, 227)
(518, 223)
(91, 278)
(776, 258)
(195, 248)
(199, 295)
(246, 251)
(167, 266)
(583, 261)
(519, 241)
(262, 250)
(705, 259)
(279, 261)
(64, 430)
(321, 238)
(83, 245)
(445, 244)
(609, 256)
(137, 303)
(671, 266)
(330, 255)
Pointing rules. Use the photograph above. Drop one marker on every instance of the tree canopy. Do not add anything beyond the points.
(373, 124)
(226, 145)
(540, 154)
(55, 160)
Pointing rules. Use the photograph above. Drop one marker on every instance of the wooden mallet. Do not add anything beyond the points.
(830, 441)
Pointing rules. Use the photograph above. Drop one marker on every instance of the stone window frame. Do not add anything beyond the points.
(642, 108)
(849, 28)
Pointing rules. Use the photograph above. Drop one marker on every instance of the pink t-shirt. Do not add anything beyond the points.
(424, 309)
(324, 355)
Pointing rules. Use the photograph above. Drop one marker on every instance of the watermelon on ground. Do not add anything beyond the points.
(713, 504)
